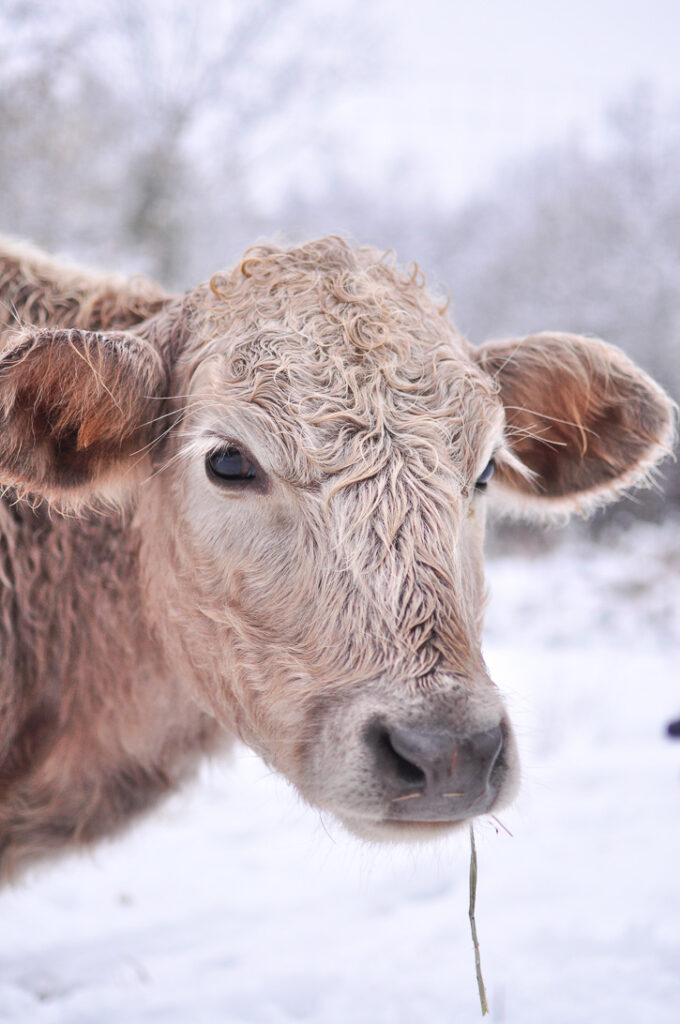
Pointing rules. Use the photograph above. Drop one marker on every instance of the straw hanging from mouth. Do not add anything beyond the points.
(473, 923)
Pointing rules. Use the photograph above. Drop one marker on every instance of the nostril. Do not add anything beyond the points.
(486, 749)
(487, 746)
(390, 761)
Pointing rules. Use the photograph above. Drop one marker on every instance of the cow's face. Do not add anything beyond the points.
(312, 524)
(327, 489)
(327, 493)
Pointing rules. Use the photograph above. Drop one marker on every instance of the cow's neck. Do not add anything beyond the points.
(104, 718)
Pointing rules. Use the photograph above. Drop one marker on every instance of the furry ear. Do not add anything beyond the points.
(580, 416)
(75, 408)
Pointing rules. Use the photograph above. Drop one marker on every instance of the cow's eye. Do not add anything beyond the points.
(485, 476)
(230, 466)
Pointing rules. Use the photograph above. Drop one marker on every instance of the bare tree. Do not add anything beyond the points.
(130, 130)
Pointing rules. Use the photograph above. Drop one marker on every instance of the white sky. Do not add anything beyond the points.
(466, 85)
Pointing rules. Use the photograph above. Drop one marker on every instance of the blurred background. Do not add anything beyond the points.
(526, 154)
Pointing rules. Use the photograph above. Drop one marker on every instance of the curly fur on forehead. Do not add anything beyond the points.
(353, 301)
(352, 357)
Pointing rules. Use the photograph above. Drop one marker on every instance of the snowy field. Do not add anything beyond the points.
(237, 904)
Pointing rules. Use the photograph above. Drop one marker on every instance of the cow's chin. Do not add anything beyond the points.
(388, 830)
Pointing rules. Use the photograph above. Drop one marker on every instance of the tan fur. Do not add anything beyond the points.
(346, 586)
(36, 289)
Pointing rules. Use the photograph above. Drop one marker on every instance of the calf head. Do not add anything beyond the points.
(316, 459)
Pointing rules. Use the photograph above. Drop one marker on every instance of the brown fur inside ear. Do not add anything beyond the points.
(75, 405)
(580, 415)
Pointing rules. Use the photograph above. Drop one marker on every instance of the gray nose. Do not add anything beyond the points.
(437, 776)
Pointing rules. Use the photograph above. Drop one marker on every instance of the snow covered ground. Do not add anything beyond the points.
(237, 904)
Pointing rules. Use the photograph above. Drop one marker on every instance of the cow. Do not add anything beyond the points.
(256, 511)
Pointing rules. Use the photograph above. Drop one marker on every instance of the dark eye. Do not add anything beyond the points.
(484, 478)
(230, 465)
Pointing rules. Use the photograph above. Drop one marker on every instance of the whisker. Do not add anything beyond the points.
(323, 825)
(552, 419)
(509, 359)
(152, 444)
(176, 458)
(504, 827)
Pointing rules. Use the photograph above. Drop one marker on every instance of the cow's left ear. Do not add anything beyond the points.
(580, 416)
(75, 410)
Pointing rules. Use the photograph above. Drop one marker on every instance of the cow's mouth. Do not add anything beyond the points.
(385, 830)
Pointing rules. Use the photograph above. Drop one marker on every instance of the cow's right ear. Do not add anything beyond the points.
(76, 409)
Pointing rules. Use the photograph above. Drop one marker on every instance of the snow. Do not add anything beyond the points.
(237, 904)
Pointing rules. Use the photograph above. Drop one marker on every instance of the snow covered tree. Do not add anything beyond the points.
(130, 130)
